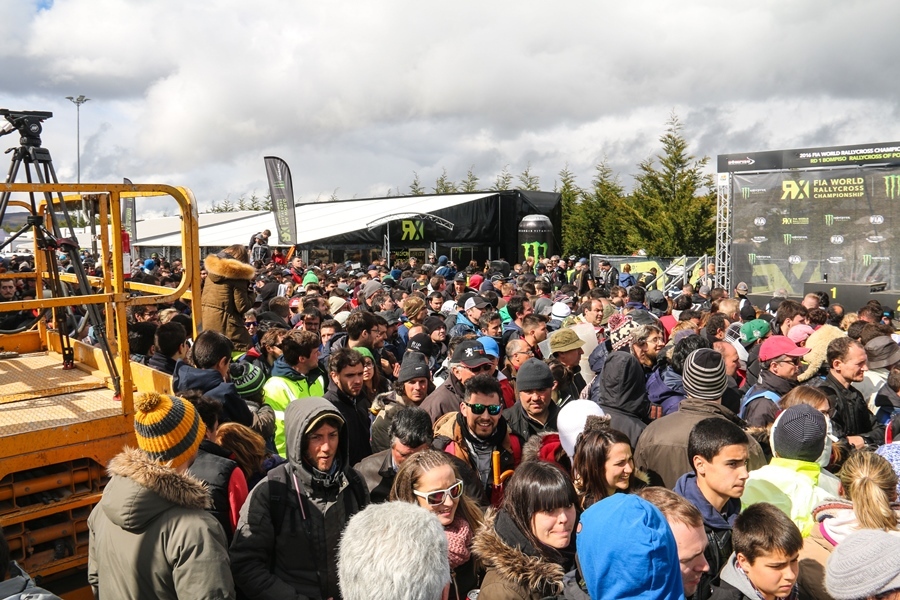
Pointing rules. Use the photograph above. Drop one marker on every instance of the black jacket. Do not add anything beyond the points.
(851, 414)
(623, 394)
(213, 466)
(356, 415)
(525, 427)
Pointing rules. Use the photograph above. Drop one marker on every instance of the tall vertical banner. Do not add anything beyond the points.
(129, 216)
(282, 191)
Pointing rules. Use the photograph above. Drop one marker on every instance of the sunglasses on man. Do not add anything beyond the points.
(478, 409)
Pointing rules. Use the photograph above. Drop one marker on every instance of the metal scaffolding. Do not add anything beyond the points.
(723, 230)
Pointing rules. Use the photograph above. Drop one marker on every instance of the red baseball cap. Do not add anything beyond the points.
(780, 345)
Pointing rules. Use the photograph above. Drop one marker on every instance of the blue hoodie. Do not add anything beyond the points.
(627, 550)
(210, 382)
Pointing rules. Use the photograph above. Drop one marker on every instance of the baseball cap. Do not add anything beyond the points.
(753, 330)
(742, 287)
(476, 302)
(460, 276)
(780, 345)
(470, 353)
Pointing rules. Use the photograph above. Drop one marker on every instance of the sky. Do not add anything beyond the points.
(357, 96)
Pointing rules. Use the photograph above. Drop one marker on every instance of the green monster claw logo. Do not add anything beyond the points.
(752, 258)
(788, 238)
(867, 260)
(891, 186)
(745, 192)
(538, 250)
(829, 220)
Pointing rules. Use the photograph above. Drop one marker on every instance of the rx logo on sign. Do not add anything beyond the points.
(794, 190)
(412, 230)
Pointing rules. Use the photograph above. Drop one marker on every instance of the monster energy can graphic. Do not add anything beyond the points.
(536, 239)
(892, 186)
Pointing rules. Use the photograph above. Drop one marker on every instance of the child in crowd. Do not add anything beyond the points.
(718, 451)
(766, 558)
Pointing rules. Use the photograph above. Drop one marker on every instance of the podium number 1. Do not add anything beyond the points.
(834, 292)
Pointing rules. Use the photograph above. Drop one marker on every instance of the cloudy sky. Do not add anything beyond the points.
(356, 96)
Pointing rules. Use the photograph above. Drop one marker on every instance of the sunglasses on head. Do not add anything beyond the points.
(438, 497)
(492, 409)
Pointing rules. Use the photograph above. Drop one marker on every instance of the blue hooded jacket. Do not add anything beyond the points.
(210, 382)
(627, 550)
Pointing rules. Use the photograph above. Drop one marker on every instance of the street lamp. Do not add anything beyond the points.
(78, 102)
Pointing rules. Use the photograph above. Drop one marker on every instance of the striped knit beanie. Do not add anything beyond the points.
(168, 428)
(704, 375)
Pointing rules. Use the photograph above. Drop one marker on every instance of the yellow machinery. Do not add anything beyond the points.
(60, 427)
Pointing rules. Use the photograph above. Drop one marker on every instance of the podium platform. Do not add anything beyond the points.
(853, 296)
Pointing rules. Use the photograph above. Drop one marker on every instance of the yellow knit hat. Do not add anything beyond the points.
(168, 428)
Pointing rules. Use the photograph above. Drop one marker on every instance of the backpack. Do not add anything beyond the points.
(752, 395)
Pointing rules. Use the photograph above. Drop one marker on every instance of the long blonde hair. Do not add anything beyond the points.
(870, 483)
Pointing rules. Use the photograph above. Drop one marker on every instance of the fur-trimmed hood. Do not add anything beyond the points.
(225, 267)
(142, 488)
(511, 563)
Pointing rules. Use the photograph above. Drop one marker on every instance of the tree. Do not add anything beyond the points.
(674, 205)
(415, 188)
(570, 193)
(444, 185)
(528, 180)
(470, 183)
(594, 219)
(242, 203)
(503, 180)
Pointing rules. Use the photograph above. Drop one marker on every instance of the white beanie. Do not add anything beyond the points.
(571, 419)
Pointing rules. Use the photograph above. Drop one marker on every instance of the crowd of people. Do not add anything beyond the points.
(422, 431)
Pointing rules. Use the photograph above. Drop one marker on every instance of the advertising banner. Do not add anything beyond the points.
(282, 191)
(800, 226)
(129, 216)
(884, 153)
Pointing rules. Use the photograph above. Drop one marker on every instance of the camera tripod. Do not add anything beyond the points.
(37, 162)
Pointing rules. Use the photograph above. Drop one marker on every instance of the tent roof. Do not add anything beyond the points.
(314, 221)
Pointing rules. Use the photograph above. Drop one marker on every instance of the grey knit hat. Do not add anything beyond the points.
(704, 375)
(534, 374)
(865, 564)
(414, 365)
(799, 433)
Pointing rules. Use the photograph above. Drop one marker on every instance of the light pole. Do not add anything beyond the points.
(78, 102)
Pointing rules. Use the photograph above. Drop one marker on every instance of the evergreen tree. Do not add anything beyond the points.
(470, 183)
(255, 202)
(570, 193)
(444, 185)
(503, 180)
(415, 188)
(242, 203)
(674, 205)
(226, 206)
(529, 181)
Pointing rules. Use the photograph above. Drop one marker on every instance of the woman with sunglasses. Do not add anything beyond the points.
(430, 479)
(529, 544)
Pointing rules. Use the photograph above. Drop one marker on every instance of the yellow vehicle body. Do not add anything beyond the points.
(59, 428)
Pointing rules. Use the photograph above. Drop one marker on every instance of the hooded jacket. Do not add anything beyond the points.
(226, 297)
(300, 560)
(718, 530)
(20, 586)
(623, 394)
(515, 569)
(210, 382)
(285, 386)
(151, 537)
(665, 387)
(736, 586)
(662, 450)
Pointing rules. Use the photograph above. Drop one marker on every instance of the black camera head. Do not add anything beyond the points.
(27, 122)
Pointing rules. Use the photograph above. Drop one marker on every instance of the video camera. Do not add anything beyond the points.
(27, 122)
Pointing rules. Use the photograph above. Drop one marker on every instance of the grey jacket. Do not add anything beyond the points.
(151, 537)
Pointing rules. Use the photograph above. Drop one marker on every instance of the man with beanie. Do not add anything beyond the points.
(287, 538)
(662, 450)
(150, 534)
(295, 374)
(779, 365)
(866, 565)
(412, 387)
(535, 412)
(627, 550)
(794, 479)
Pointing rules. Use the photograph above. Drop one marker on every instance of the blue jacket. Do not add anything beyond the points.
(210, 382)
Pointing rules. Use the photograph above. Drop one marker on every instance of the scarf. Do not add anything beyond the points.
(791, 596)
(459, 540)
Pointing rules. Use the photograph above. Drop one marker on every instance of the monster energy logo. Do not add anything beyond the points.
(745, 192)
(867, 260)
(891, 186)
(829, 220)
(788, 238)
(752, 258)
(538, 250)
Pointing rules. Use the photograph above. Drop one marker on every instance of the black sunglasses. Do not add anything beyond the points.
(478, 409)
